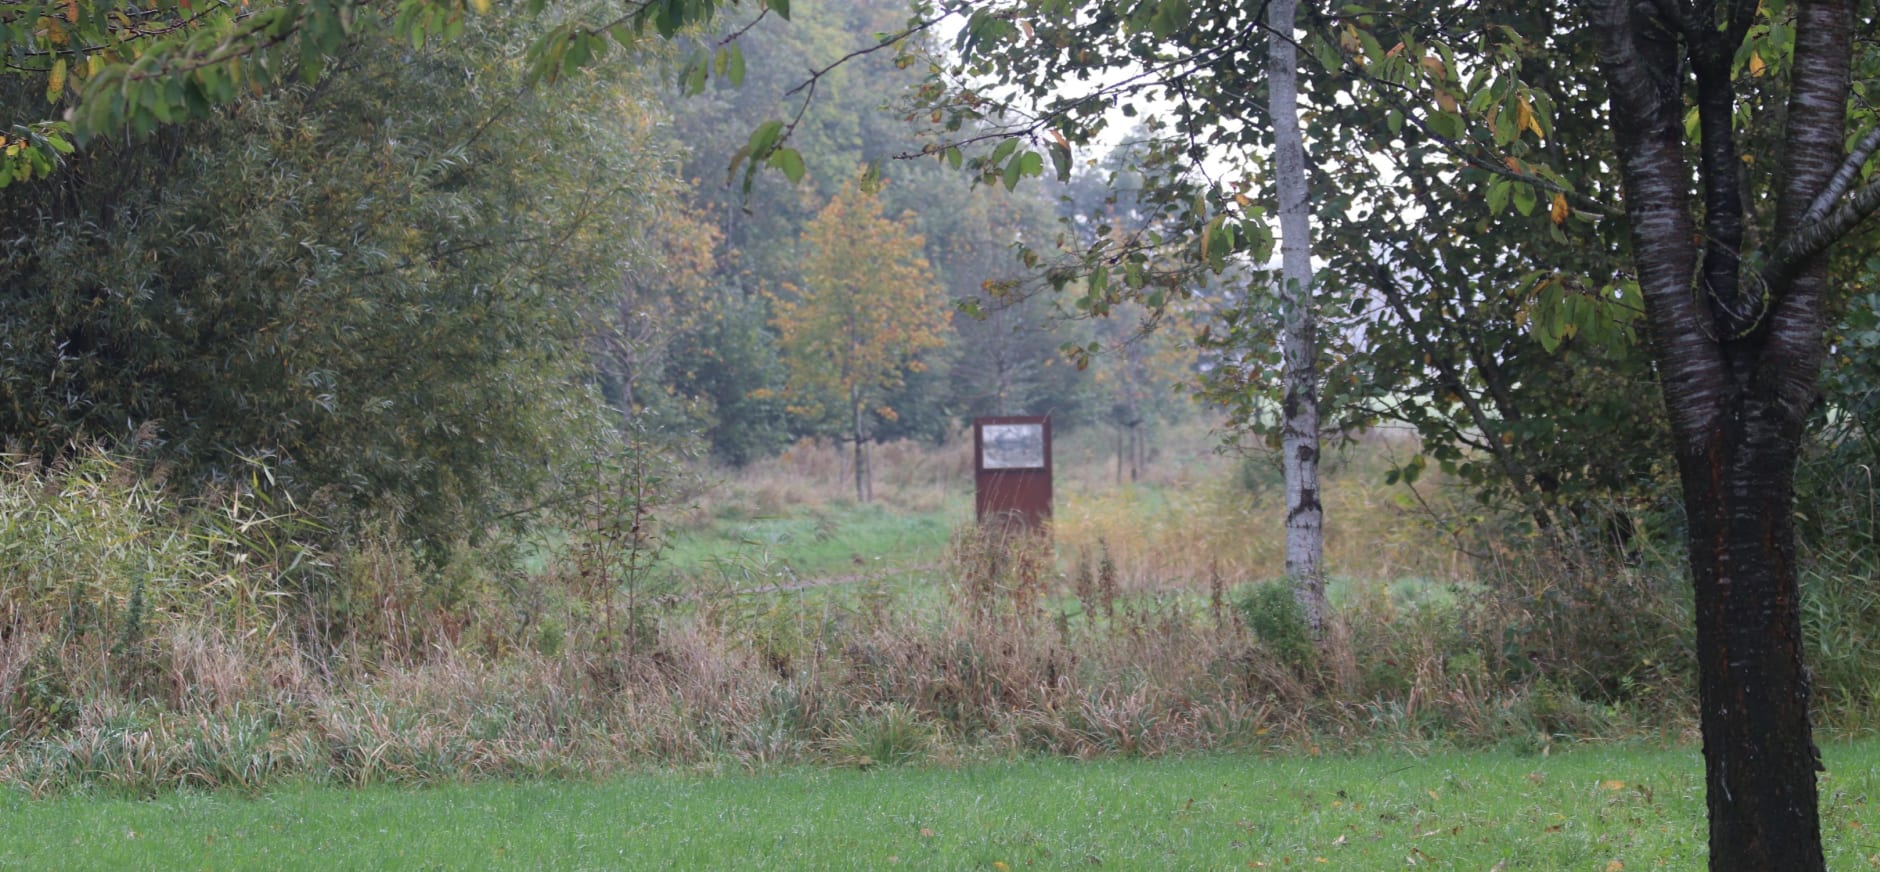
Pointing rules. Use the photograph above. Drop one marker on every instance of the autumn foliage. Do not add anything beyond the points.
(869, 308)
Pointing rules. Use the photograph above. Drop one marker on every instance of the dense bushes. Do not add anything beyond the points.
(376, 283)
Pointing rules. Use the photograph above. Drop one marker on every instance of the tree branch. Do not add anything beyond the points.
(1451, 377)
(1466, 154)
(1814, 237)
(1843, 177)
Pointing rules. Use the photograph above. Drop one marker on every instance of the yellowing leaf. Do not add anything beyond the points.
(1559, 212)
(55, 81)
(1756, 65)
(1348, 39)
(1614, 866)
(71, 11)
(1612, 785)
(1524, 116)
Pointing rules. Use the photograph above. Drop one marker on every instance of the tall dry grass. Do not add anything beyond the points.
(815, 473)
(1186, 522)
(155, 655)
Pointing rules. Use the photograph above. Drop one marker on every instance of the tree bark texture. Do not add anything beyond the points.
(1738, 353)
(1299, 428)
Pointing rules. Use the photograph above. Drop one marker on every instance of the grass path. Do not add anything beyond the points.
(1590, 809)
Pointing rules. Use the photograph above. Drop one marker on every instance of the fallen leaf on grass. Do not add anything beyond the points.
(1614, 866)
(926, 833)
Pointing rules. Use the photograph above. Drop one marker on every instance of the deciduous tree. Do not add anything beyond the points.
(1737, 296)
(868, 310)
(1728, 252)
(374, 280)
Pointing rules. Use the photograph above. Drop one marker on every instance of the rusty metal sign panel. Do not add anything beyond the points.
(1012, 469)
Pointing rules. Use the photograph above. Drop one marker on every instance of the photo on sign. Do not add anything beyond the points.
(1012, 446)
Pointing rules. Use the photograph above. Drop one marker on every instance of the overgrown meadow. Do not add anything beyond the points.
(758, 620)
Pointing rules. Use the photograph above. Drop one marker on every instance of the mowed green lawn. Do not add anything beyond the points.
(1589, 809)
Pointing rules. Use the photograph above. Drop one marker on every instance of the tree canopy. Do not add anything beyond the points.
(371, 280)
(868, 310)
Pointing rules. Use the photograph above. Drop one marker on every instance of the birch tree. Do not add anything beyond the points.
(1299, 428)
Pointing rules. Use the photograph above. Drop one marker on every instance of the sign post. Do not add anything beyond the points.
(1012, 470)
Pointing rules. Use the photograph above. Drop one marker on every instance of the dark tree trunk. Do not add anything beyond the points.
(1759, 758)
(1738, 352)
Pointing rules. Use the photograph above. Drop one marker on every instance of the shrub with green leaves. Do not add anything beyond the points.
(1276, 619)
(383, 282)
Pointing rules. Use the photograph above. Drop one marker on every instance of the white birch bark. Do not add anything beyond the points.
(1299, 429)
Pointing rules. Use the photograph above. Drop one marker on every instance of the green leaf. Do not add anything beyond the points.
(790, 162)
(1012, 172)
(576, 56)
(762, 141)
(1061, 161)
(1030, 163)
(1524, 199)
(781, 7)
(1002, 151)
(1373, 50)
(1448, 125)
(765, 137)
(1504, 126)
(692, 78)
(1497, 195)
(734, 70)
(1171, 17)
